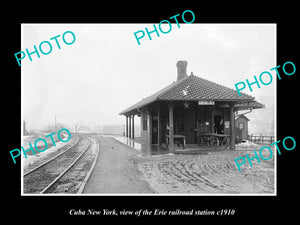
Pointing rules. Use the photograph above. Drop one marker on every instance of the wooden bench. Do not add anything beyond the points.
(176, 137)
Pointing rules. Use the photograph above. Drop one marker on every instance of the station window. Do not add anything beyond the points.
(241, 126)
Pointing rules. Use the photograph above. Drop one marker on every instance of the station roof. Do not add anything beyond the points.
(242, 116)
(248, 105)
(194, 88)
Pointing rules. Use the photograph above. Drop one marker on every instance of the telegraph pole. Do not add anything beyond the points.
(55, 124)
(25, 132)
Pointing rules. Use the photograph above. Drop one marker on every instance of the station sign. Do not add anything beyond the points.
(206, 102)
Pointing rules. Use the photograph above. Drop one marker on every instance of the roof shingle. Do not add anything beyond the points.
(193, 88)
(197, 88)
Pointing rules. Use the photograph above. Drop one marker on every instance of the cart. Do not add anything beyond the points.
(213, 140)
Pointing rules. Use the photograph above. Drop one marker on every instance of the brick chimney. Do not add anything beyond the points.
(181, 69)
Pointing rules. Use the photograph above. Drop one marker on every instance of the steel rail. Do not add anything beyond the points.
(50, 160)
(67, 169)
(83, 183)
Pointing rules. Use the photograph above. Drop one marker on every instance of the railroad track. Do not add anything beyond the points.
(65, 173)
(62, 150)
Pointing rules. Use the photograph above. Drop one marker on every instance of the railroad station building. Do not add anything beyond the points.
(186, 108)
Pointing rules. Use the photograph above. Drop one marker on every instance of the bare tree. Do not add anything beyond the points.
(79, 126)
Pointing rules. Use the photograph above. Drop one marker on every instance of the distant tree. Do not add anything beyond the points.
(80, 126)
(51, 127)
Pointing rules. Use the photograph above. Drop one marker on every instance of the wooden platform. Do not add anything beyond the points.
(195, 149)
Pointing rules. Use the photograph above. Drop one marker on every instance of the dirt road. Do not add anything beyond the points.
(206, 174)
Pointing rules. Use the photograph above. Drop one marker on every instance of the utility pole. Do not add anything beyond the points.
(25, 132)
(55, 124)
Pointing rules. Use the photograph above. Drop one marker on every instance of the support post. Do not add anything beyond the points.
(232, 127)
(212, 125)
(171, 127)
(126, 126)
(129, 126)
(132, 126)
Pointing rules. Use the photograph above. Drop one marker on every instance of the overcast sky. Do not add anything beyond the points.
(106, 71)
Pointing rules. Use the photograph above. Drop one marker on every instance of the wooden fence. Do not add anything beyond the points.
(261, 138)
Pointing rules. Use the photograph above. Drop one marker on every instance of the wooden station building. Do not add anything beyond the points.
(186, 107)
